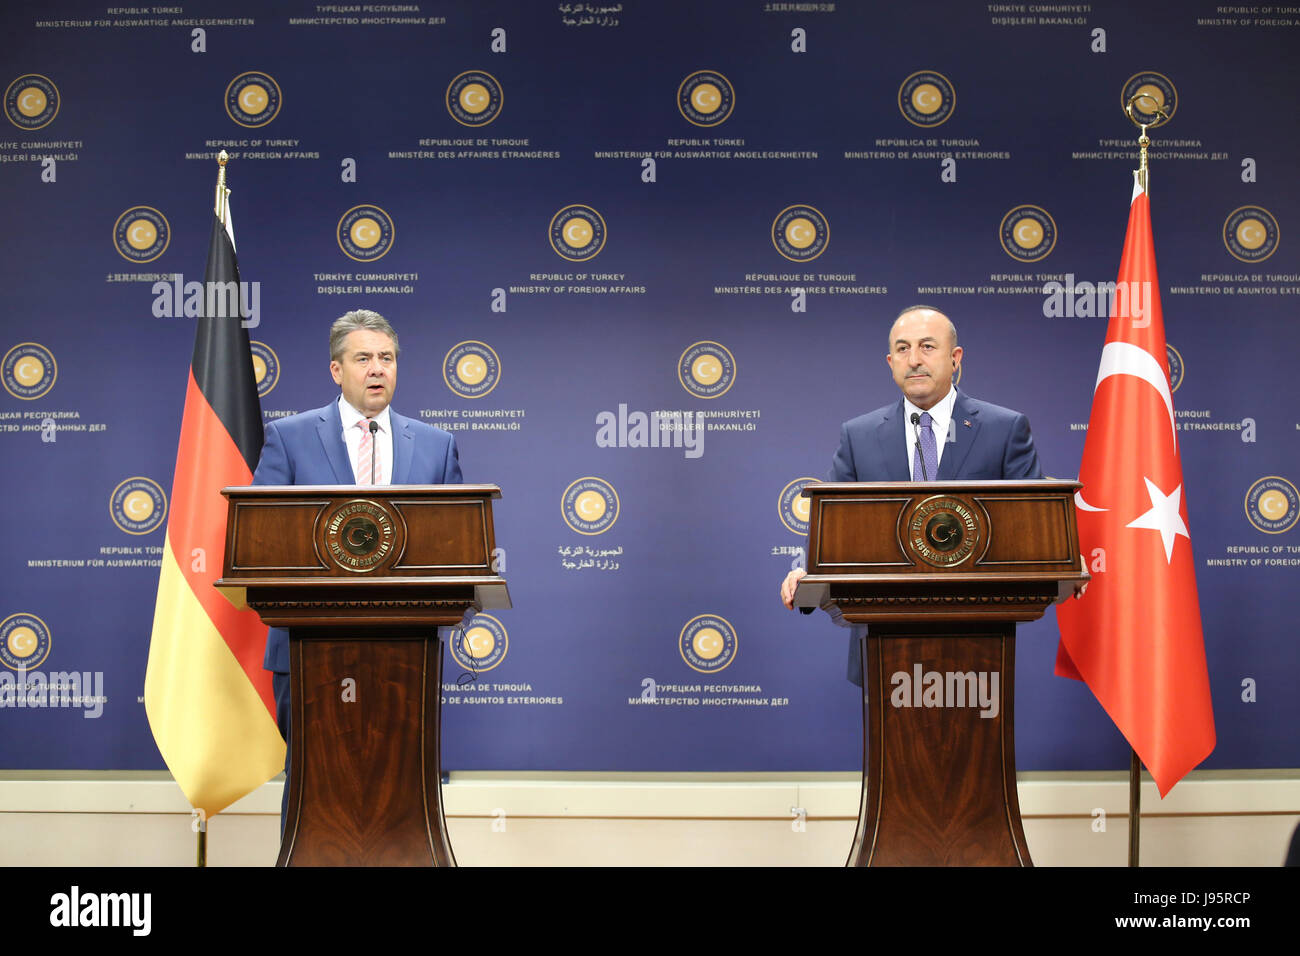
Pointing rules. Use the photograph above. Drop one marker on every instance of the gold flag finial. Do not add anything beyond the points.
(222, 192)
(1144, 141)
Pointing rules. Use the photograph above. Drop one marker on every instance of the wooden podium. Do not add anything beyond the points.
(940, 572)
(363, 577)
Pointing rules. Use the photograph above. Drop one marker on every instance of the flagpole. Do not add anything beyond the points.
(219, 206)
(222, 192)
(1134, 806)
(1134, 763)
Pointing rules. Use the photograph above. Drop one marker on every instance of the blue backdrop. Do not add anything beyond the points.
(574, 213)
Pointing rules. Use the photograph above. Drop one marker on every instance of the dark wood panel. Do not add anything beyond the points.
(451, 536)
(868, 539)
(940, 781)
(273, 536)
(1028, 531)
(363, 796)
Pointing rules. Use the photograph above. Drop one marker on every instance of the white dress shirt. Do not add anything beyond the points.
(383, 442)
(940, 424)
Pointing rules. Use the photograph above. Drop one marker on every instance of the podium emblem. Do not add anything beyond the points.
(359, 535)
(943, 531)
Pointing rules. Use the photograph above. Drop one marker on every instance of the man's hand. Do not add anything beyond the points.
(789, 584)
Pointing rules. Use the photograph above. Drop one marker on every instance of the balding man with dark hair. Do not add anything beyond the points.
(932, 433)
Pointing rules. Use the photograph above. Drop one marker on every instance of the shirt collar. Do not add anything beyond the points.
(940, 414)
(350, 416)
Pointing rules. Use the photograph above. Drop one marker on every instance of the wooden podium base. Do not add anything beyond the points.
(365, 769)
(949, 796)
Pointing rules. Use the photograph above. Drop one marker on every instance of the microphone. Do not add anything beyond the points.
(374, 448)
(916, 424)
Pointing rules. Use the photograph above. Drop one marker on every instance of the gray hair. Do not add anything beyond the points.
(353, 321)
(952, 329)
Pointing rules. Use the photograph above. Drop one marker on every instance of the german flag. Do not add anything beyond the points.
(209, 702)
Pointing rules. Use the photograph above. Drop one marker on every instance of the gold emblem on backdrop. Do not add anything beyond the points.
(28, 370)
(927, 99)
(707, 369)
(590, 505)
(253, 99)
(471, 369)
(24, 641)
(1251, 233)
(577, 233)
(800, 233)
(138, 505)
(141, 234)
(1273, 504)
(706, 98)
(708, 643)
(482, 645)
(32, 101)
(366, 233)
(1027, 233)
(474, 98)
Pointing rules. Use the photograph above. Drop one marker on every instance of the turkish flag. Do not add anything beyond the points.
(1135, 636)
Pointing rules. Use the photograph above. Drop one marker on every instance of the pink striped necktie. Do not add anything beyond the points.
(366, 456)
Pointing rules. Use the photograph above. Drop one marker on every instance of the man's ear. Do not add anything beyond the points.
(336, 372)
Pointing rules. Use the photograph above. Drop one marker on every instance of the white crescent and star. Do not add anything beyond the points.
(1164, 517)
(1124, 358)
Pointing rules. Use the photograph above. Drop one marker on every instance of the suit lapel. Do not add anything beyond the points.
(403, 447)
(330, 430)
(891, 435)
(955, 453)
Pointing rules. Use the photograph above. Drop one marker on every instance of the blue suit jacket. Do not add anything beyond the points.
(308, 449)
(985, 442)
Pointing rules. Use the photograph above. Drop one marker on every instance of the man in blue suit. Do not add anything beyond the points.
(932, 433)
(357, 439)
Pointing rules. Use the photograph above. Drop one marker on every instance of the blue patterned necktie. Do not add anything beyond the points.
(927, 448)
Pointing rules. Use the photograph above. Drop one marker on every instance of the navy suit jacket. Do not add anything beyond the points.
(984, 442)
(308, 449)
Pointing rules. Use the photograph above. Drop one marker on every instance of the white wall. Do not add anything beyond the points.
(1213, 818)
